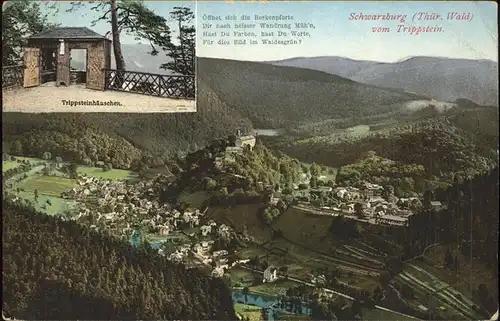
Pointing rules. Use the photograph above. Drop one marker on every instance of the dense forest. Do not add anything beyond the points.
(444, 146)
(471, 215)
(262, 165)
(469, 221)
(405, 179)
(261, 93)
(65, 136)
(56, 269)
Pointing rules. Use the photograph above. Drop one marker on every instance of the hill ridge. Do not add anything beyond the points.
(446, 79)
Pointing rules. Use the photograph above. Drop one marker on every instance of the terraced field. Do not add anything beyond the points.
(359, 263)
(427, 287)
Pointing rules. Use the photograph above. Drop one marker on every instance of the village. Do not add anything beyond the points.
(367, 202)
(364, 203)
(196, 236)
(132, 211)
(129, 211)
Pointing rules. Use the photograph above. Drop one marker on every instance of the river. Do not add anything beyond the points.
(271, 303)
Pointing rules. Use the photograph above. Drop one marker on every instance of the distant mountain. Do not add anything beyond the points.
(137, 58)
(440, 78)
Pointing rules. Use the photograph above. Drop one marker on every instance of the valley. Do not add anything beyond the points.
(351, 201)
(328, 172)
(254, 211)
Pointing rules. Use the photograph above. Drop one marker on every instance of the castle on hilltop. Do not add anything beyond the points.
(246, 140)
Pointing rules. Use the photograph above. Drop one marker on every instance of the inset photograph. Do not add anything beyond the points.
(132, 57)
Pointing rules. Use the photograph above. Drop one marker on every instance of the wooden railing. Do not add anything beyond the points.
(169, 86)
(12, 76)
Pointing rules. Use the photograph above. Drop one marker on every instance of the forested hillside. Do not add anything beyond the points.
(65, 136)
(249, 172)
(263, 93)
(443, 145)
(56, 269)
(469, 222)
(473, 205)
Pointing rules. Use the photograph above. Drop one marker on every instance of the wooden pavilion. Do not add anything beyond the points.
(48, 54)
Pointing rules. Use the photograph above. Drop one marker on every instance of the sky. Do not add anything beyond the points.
(336, 35)
(84, 16)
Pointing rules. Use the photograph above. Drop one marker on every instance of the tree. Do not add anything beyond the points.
(315, 169)
(47, 155)
(231, 140)
(134, 18)
(394, 265)
(455, 262)
(448, 258)
(210, 183)
(303, 186)
(246, 291)
(284, 270)
(407, 291)
(358, 209)
(182, 54)
(384, 279)
(313, 182)
(16, 148)
(377, 293)
(482, 293)
(428, 197)
(388, 191)
(21, 19)
(46, 171)
(73, 170)
(115, 31)
(223, 191)
(268, 216)
(356, 307)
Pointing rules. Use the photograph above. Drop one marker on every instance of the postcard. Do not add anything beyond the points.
(342, 162)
